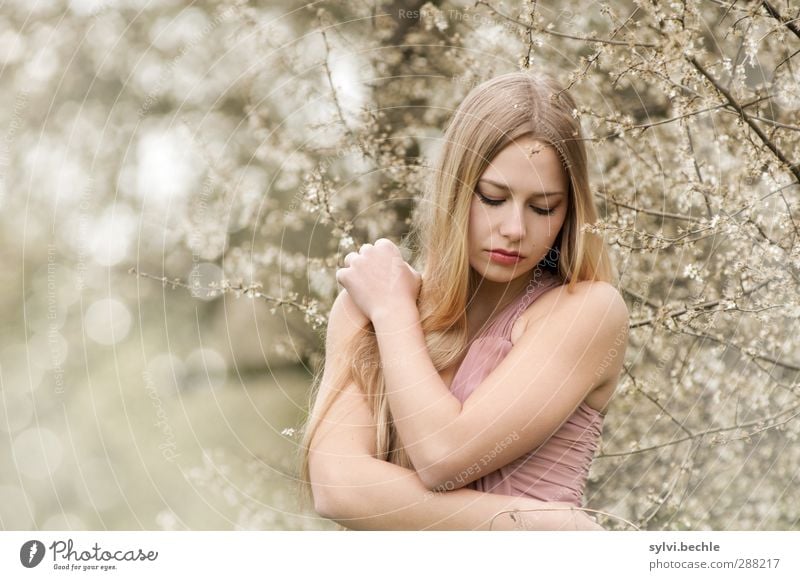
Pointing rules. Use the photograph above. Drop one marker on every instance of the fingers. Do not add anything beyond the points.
(366, 248)
(349, 258)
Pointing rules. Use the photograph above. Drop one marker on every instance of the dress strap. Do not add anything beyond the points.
(533, 291)
(490, 327)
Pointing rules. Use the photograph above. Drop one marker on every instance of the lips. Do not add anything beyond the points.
(506, 253)
(504, 258)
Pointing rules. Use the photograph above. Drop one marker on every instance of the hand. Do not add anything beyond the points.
(378, 279)
(532, 514)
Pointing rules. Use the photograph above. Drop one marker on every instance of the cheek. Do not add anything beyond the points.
(551, 227)
(478, 224)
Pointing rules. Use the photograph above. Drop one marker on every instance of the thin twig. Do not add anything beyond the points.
(311, 309)
(790, 24)
(702, 307)
(653, 400)
(660, 501)
(793, 168)
(641, 298)
(662, 214)
(335, 96)
(529, 27)
(752, 355)
(645, 126)
(758, 423)
(769, 121)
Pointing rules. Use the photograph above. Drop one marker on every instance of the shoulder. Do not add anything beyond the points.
(588, 325)
(590, 306)
(602, 296)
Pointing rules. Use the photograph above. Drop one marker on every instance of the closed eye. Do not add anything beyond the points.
(493, 202)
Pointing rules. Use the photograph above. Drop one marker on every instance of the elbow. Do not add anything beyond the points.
(432, 481)
(441, 482)
(438, 477)
(448, 469)
(331, 495)
(435, 467)
(333, 503)
(328, 503)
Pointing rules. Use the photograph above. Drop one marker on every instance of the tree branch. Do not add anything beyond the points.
(790, 24)
(310, 308)
(702, 307)
(759, 424)
(793, 167)
(529, 28)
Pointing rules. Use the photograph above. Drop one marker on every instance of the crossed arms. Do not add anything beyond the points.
(359, 491)
(572, 348)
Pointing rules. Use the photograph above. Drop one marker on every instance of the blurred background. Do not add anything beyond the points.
(178, 180)
(130, 141)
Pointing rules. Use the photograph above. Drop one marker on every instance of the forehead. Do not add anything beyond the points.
(527, 165)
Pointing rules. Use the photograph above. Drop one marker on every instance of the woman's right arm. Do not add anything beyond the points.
(364, 493)
(361, 492)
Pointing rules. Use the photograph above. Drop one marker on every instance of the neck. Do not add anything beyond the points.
(488, 297)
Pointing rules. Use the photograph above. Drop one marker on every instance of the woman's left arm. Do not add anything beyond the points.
(556, 363)
(551, 369)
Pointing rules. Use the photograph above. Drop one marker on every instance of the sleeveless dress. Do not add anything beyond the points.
(557, 470)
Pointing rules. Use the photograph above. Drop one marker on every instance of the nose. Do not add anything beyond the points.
(512, 225)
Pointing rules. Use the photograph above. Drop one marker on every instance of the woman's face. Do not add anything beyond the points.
(519, 206)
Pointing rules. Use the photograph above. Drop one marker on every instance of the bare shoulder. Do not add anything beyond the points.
(597, 320)
(597, 300)
(594, 312)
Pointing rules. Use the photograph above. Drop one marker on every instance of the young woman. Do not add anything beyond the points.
(476, 387)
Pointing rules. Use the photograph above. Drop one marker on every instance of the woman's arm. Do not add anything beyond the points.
(361, 492)
(550, 370)
(364, 493)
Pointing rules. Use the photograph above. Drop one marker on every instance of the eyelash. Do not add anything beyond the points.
(538, 210)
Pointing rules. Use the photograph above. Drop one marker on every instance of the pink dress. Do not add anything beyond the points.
(557, 469)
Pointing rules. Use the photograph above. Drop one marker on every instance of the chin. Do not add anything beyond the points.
(497, 273)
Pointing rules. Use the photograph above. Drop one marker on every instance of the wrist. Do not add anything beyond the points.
(394, 315)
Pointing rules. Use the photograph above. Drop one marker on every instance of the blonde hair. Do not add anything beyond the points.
(493, 114)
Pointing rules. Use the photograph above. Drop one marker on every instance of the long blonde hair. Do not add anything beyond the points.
(492, 115)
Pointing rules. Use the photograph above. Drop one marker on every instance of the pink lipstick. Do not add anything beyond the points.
(502, 258)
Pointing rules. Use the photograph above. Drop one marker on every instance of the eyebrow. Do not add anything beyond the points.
(505, 188)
